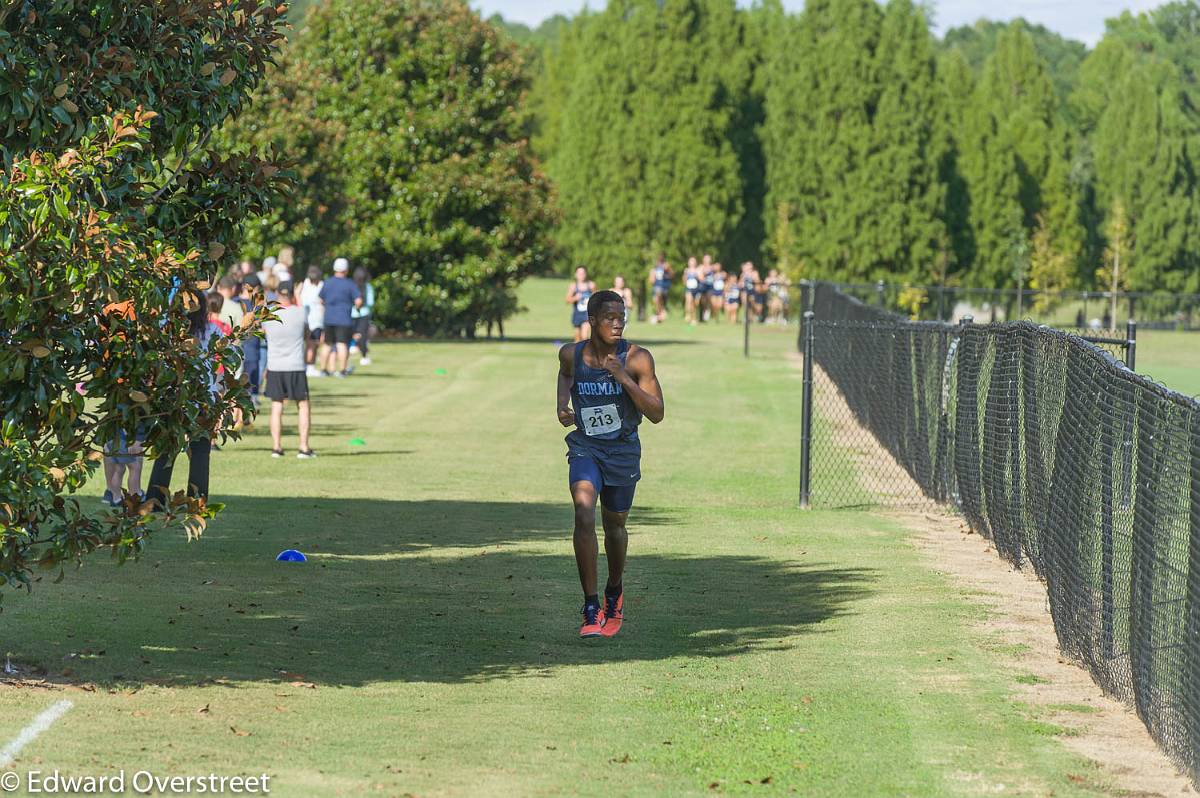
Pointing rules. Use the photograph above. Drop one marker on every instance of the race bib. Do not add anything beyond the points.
(692, 282)
(600, 420)
(581, 305)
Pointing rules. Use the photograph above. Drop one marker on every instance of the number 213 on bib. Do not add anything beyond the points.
(600, 420)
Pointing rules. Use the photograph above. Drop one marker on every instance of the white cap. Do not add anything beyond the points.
(341, 265)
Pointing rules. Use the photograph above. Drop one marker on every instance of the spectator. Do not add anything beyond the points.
(253, 361)
(340, 296)
(200, 449)
(122, 456)
(286, 377)
(314, 311)
(231, 310)
(216, 304)
(268, 267)
(361, 314)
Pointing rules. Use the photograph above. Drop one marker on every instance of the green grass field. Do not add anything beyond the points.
(429, 645)
(1172, 358)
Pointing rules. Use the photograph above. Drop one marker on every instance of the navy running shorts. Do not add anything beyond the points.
(585, 468)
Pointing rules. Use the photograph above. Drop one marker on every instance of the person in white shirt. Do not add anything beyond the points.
(314, 311)
(285, 370)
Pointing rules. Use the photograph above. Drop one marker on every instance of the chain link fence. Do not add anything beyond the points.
(1051, 447)
(1063, 309)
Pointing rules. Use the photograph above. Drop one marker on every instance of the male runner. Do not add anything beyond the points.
(605, 386)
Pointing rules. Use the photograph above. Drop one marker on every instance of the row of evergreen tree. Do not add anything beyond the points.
(848, 142)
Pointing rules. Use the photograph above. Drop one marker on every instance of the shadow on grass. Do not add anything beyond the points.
(436, 591)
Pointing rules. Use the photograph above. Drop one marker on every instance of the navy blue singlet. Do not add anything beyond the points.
(579, 311)
(606, 421)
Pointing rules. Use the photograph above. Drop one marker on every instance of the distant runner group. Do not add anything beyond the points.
(710, 293)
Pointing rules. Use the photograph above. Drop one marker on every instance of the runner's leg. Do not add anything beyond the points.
(616, 544)
(587, 549)
(277, 425)
(305, 423)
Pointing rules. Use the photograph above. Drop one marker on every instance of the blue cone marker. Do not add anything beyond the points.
(290, 555)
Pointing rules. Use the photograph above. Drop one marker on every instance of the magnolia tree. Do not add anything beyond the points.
(404, 120)
(114, 212)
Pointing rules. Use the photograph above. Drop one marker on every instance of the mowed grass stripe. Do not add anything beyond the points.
(429, 645)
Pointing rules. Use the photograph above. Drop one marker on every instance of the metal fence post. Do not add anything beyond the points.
(806, 413)
(806, 304)
(1127, 432)
(1131, 344)
(880, 290)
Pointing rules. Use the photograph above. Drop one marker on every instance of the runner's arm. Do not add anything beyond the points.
(641, 383)
(566, 379)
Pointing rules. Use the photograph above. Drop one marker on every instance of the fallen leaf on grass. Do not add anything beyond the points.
(621, 760)
(203, 710)
(767, 780)
(306, 685)
(806, 700)
(239, 732)
(137, 713)
(280, 709)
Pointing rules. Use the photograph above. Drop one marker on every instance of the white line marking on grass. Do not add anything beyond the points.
(30, 732)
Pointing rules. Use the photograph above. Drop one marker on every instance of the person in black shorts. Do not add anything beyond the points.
(578, 295)
(285, 369)
(605, 386)
(341, 296)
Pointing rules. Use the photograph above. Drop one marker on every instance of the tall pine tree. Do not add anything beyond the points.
(1015, 160)
(906, 193)
(1133, 100)
(645, 158)
(821, 93)
(855, 143)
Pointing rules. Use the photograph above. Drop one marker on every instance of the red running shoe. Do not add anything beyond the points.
(593, 621)
(614, 614)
